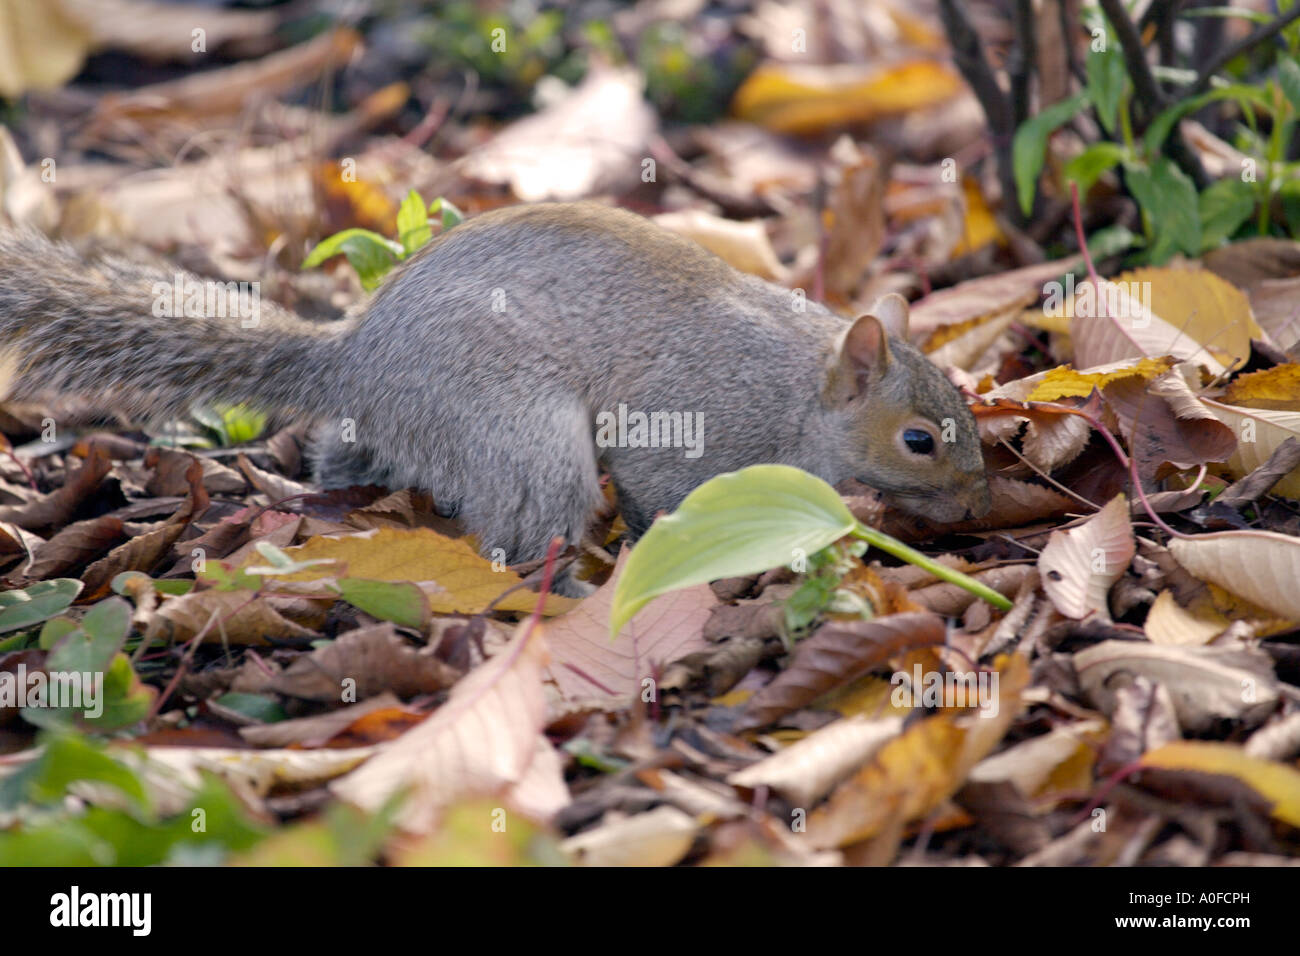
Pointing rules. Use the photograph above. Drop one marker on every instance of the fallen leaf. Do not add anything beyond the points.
(1079, 566)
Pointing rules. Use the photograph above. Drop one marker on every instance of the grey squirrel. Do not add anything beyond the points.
(486, 367)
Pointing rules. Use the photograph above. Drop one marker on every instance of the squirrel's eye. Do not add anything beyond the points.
(918, 441)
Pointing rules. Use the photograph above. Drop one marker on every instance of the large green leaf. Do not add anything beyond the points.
(1029, 148)
(739, 523)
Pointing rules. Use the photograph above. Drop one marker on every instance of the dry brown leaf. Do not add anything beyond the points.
(78, 543)
(364, 662)
(1261, 566)
(1144, 717)
(836, 653)
(913, 774)
(235, 616)
(1079, 566)
(658, 837)
(986, 298)
(317, 730)
(584, 144)
(54, 509)
(1029, 765)
(209, 94)
(856, 215)
(743, 245)
(1109, 324)
(480, 742)
(1274, 302)
(807, 769)
(586, 664)
(1206, 683)
(1169, 623)
(1164, 421)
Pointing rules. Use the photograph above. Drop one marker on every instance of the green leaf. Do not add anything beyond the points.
(1288, 77)
(1107, 82)
(1029, 148)
(1168, 198)
(370, 254)
(401, 602)
(1223, 206)
(240, 423)
(1087, 167)
(115, 698)
(1163, 124)
(41, 601)
(1111, 241)
(1289, 195)
(451, 216)
(279, 562)
(94, 644)
(258, 707)
(102, 836)
(742, 522)
(66, 759)
(54, 630)
(413, 223)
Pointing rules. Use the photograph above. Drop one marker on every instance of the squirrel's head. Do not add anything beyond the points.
(910, 433)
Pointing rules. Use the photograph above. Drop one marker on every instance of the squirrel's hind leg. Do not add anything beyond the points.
(336, 463)
(535, 478)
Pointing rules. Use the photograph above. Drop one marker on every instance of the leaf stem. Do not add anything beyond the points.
(891, 545)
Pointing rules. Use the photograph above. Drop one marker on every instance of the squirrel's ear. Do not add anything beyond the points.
(891, 310)
(865, 348)
(862, 357)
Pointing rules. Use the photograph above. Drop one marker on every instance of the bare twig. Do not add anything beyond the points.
(1149, 96)
(1023, 62)
(968, 54)
(1263, 34)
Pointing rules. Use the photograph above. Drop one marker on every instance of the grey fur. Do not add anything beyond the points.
(493, 411)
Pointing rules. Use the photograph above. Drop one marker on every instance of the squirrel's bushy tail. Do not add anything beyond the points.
(153, 342)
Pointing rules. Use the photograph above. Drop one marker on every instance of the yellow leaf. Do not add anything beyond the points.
(1208, 309)
(41, 46)
(1275, 782)
(1276, 388)
(980, 226)
(456, 578)
(1065, 382)
(810, 99)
